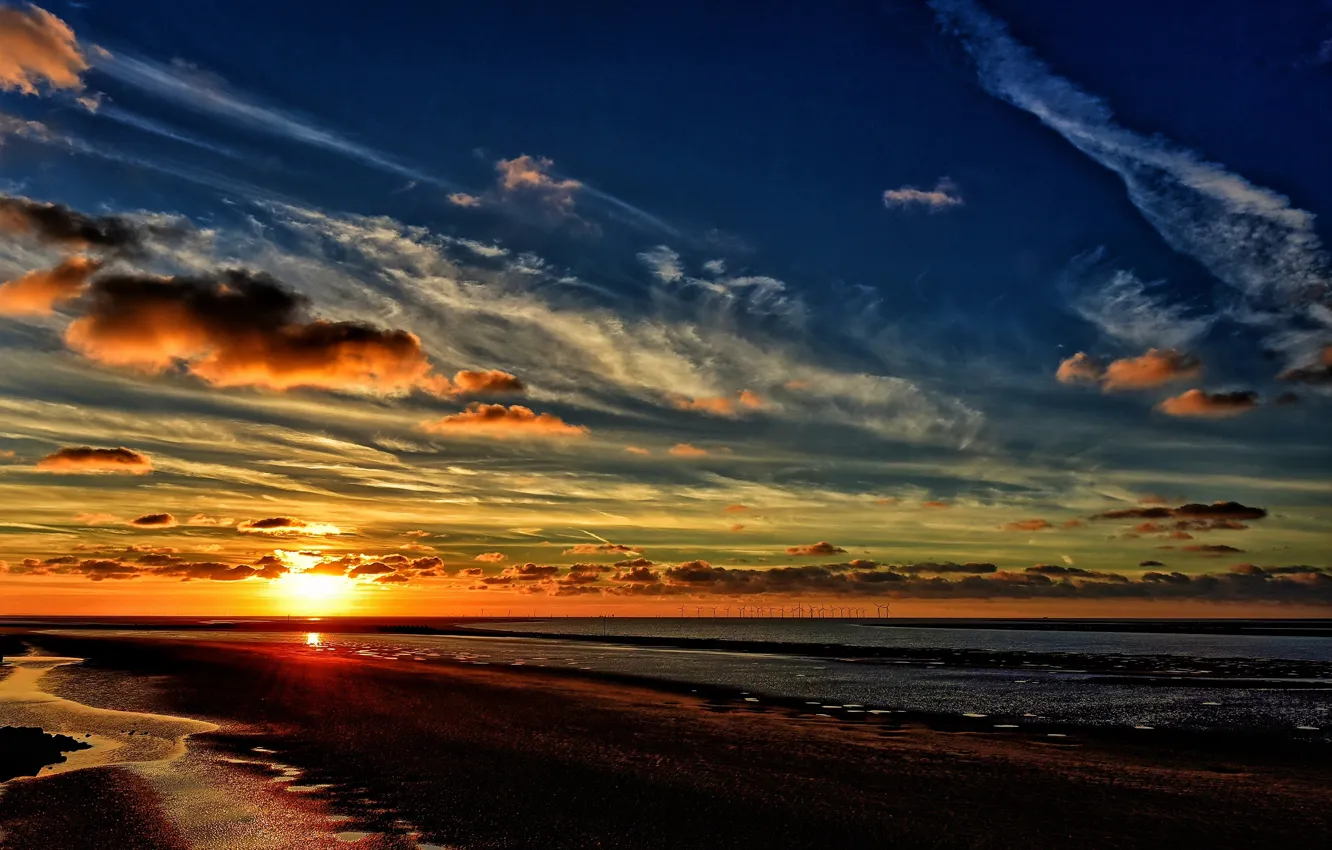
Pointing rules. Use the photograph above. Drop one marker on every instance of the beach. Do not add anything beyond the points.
(420, 754)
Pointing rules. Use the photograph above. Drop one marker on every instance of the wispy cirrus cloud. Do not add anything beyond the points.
(1129, 310)
(1250, 237)
(186, 86)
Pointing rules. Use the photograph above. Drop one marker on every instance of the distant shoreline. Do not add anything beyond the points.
(1273, 627)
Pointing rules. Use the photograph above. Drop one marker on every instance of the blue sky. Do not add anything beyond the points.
(887, 223)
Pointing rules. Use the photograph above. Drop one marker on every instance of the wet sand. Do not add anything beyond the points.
(427, 755)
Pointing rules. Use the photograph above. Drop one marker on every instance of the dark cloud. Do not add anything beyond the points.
(60, 226)
(823, 547)
(284, 526)
(270, 567)
(375, 568)
(531, 572)
(634, 562)
(154, 521)
(584, 574)
(1191, 516)
(638, 575)
(1079, 572)
(945, 568)
(209, 571)
(1151, 564)
(1220, 510)
(239, 328)
(1212, 549)
(87, 459)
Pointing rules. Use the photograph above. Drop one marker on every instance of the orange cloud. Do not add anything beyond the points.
(720, 405)
(1027, 525)
(943, 196)
(1156, 367)
(737, 527)
(37, 292)
(96, 518)
(462, 199)
(687, 450)
(286, 526)
(531, 174)
(735, 509)
(1081, 368)
(501, 421)
(937, 505)
(241, 329)
(154, 521)
(491, 557)
(602, 548)
(488, 382)
(87, 459)
(38, 49)
(823, 547)
(717, 405)
(205, 519)
(1196, 403)
(636, 450)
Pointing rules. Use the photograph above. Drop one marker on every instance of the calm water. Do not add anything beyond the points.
(851, 634)
(1021, 694)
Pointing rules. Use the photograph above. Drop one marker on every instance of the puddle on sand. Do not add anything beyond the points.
(116, 737)
(215, 804)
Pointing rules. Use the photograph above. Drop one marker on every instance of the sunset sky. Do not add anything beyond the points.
(398, 308)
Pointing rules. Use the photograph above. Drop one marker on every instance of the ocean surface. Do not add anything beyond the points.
(1002, 677)
(880, 633)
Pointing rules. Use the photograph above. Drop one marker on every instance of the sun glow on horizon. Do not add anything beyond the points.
(309, 594)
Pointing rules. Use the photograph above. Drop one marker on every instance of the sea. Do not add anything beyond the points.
(1250, 676)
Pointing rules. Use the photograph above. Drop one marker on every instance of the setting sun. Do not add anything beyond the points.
(310, 594)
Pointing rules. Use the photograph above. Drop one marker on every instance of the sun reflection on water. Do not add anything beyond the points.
(312, 639)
